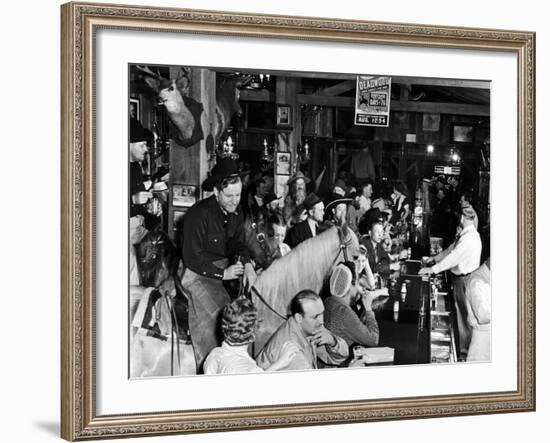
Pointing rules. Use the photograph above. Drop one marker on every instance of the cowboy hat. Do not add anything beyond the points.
(340, 187)
(334, 200)
(311, 200)
(138, 133)
(224, 168)
(270, 197)
(372, 216)
(298, 175)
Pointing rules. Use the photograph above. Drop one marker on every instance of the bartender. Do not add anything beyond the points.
(461, 258)
(214, 252)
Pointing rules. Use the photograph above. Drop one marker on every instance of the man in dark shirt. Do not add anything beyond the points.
(311, 226)
(213, 237)
(379, 259)
(140, 138)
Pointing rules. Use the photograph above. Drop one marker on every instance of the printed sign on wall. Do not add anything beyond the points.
(372, 101)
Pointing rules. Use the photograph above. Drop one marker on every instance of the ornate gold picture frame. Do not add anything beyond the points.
(80, 23)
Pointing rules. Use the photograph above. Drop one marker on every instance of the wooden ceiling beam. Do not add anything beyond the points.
(429, 81)
(397, 105)
(451, 83)
(257, 95)
(338, 89)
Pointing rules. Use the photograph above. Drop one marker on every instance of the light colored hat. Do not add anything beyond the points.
(297, 176)
(340, 280)
(338, 190)
(469, 213)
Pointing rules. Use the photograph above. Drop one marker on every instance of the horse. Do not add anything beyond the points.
(305, 267)
(159, 322)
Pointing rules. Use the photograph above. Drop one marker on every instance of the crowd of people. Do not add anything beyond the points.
(243, 227)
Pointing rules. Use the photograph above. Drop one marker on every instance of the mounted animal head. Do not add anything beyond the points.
(184, 112)
(227, 100)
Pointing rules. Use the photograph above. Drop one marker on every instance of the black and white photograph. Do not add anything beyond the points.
(283, 163)
(374, 249)
(135, 109)
(184, 195)
(284, 114)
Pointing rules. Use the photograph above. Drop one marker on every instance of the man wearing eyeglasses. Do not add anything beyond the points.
(214, 253)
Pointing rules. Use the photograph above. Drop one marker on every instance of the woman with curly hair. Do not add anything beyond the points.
(239, 322)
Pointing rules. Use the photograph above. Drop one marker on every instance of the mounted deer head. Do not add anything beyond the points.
(183, 111)
(227, 100)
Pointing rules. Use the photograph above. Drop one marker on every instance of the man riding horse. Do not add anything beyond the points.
(214, 253)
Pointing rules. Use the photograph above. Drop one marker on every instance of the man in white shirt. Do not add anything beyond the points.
(461, 258)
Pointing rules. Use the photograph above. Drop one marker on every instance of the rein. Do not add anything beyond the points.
(263, 300)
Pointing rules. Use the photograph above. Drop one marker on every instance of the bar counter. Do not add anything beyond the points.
(409, 331)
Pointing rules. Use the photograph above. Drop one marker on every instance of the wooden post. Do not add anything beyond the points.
(287, 139)
(403, 162)
(285, 94)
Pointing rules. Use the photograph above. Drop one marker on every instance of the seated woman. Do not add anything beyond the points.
(340, 318)
(239, 322)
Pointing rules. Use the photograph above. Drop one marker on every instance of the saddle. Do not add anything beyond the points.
(159, 262)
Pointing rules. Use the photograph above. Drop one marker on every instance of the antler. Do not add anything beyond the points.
(149, 72)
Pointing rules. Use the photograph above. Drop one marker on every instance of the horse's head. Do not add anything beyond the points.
(349, 243)
(157, 258)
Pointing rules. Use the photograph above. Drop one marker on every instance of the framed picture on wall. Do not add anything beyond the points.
(184, 195)
(284, 116)
(283, 163)
(430, 122)
(462, 133)
(101, 399)
(135, 108)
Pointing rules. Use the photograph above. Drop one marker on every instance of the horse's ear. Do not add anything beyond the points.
(344, 232)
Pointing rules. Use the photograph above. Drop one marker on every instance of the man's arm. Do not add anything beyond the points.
(452, 257)
(333, 354)
(384, 260)
(444, 253)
